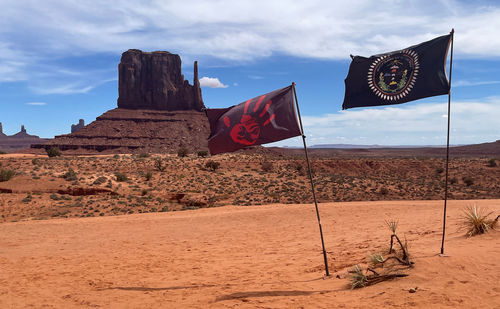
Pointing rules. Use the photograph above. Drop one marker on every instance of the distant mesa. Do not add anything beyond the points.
(158, 111)
(76, 127)
(20, 140)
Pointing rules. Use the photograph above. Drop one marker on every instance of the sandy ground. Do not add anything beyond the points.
(246, 257)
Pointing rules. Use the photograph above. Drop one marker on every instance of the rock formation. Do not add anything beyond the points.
(158, 111)
(18, 141)
(154, 81)
(76, 127)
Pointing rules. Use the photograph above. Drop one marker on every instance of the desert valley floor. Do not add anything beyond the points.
(159, 231)
(246, 257)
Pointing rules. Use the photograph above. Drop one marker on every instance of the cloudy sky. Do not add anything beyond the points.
(59, 60)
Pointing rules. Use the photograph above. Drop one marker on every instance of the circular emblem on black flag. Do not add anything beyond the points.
(392, 77)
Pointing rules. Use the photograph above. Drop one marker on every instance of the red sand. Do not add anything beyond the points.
(246, 257)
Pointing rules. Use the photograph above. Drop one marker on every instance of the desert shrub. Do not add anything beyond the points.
(384, 191)
(2, 152)
(439, 170)
(100, 180)
(54, 197)
(144, 192)
(159, 165)
(492, 163)
(267, 166)
(202, 153)
(475, 221)
(53, 152)
(36, 161)
(212, 165)
(182, 152)
(453, 180)
(121, 177)
(358, 279)
(148, 176)
(70, 175)
(143, 155)
(116, 156)
(27, 199)
(6, 175)
(468, 181)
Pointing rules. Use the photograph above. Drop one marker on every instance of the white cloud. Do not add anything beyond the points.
(211, 82)
(471, 122)
(248, 29)
(467, 83)
(36, 103)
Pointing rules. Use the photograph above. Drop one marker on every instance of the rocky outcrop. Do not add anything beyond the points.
(18, 141)
(153, 80)
(134, 131)
(158, 111)
(76, 127)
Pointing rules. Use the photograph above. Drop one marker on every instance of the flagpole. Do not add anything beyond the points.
(447, 148)
(312, 183)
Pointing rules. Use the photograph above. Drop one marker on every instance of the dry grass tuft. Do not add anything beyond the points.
(475, 221)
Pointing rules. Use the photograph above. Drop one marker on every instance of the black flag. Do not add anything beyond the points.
(397, 77)
(267, 118)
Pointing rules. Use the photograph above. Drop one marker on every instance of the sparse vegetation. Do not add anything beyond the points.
(120, 177)
(476, 221)
(182, 152)
(6, 175)
(148, 176)
(53, 152)
(159, 165)
(70, 175)
(468, 181)
(202, 153)
(492, 163)
(212, 165)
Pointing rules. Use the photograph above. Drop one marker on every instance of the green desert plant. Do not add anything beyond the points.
(202, 153)
(70, 175)
(182, 152)
(6, 175)
(159, 165)
(358, 279)
(376, 259)
(121, 177)
(212, 165)
(392, 224)
(476, 221)
(492, 163)
(53, 152)
(148, 176)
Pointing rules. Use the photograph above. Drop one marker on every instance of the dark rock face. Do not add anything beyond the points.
(76, 127)
(154, 81)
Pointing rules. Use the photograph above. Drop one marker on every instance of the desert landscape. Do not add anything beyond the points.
(151, 230)
(132, 211)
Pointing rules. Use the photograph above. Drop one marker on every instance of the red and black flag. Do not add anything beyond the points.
(268, 118)
(398, 77)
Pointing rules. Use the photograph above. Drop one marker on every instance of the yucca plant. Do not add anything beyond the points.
(475, 221)
(358, 279)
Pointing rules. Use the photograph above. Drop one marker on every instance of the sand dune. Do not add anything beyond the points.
(246, 257)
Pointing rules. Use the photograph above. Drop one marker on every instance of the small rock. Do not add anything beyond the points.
(413, 290)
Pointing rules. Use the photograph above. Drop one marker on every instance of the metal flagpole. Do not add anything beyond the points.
(312, 183)
(447, 148)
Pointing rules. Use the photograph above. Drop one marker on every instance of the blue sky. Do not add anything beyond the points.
(59, 61)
